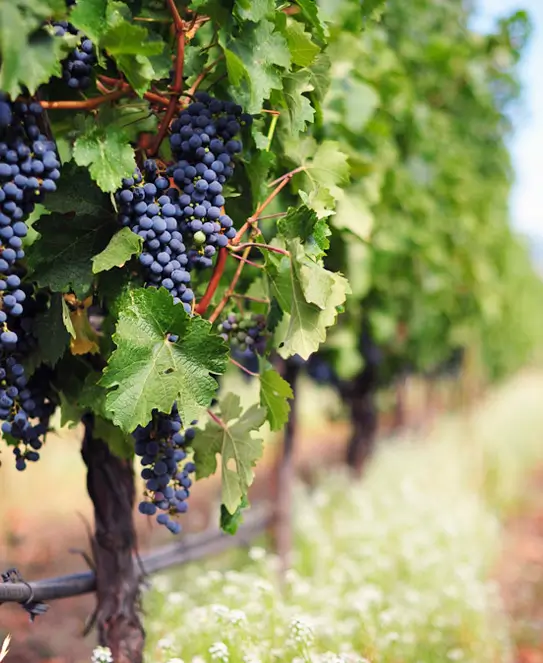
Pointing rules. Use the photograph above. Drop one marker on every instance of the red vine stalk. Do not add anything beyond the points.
(213, 282)
(245, 370)
(230, 290)
(246, 261)
(86, 104)
(259, 245)
(153, 97)
(177, 87)
(202, 75)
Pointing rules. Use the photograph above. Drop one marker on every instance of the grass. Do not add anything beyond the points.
(396, 568)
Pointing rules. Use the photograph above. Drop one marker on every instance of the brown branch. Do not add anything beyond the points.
(177, 87)
(260, 245)
(213, 282)
(254, 218)
(203, 74)
(231, 288)
(86, 104)
(245, 370)
(153, 97)
(246, 261)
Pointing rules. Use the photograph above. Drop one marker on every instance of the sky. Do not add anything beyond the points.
(527, 144)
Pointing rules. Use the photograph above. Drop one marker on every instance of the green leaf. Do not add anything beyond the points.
(309, 296)
(147, 371)
(253, 10)
(90, 17)
(304, 223)
(231, 521)
(300, 113)
(51, 333)
(274, 395)
(303, 50)
(77, 193)
(233, 439)
(263, 52)
(311, 14)
(67, 319)
(120, 444)
(125, 38)
(122, 246)
(319, 73)
(61, 258)
(326, 172)
(107, 152)
(28, 60)
(353, 214)
(235, 68)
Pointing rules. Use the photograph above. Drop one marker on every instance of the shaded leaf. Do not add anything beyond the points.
(122, 246)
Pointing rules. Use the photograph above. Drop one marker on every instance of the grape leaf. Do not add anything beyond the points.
(300, 113)
(311, 14)
(239, 450)
(319, 73)
(231, 521)
(90, 18)
(274, 395)
(120, 444)
(354, 214)
(304, 223)
(85, 340)
(326, 170)
(76, 193)
(253, 10)
(125, 38)
(61, 258)
(302, 49)
(309, 296)
(51, 333)
(28, 60)
(107, 152)
(263, 52)
(120, 249)
(147, 371)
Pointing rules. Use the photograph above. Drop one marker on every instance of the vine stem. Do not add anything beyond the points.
(252, 219)
(245, 370)
(231, 288)
(249, 298)
(217, 420)
(150, 96)
(213, 282)
(86, 104)
(246, 261)
(177, 87)
(260, 245)
(203, 74)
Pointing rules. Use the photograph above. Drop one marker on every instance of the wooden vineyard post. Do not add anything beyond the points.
(110, 484)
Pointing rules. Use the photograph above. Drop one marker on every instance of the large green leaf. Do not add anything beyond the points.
(233, 439)
(149, 371)
(107, 153)
(274, 395)
(122, 246)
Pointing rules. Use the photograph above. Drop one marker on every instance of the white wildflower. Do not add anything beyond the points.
(102, 655)
(301, 632)
(256, 553)
(165, 643)
(219, 652)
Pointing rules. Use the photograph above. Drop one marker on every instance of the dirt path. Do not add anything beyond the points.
(520, 575)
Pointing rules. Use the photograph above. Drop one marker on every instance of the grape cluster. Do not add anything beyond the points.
(162, 448)
(150, 207)
(247, 334)
(29, 167)
(77, 67)
(203, 141)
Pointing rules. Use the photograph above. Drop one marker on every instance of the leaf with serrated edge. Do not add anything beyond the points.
(107, 153)
(304, 325)
(302, 49)
(238, 448)
(274, 395)
(51, 333)
(147, 371)
(122, 246)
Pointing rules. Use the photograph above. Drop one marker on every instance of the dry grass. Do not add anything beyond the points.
(5, 647)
